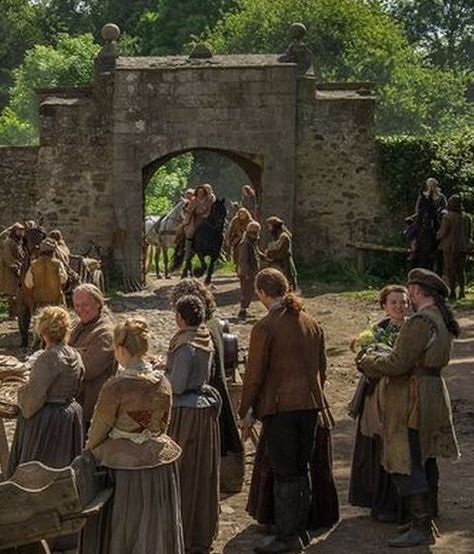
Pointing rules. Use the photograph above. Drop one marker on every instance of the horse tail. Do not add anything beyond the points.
(178, 256)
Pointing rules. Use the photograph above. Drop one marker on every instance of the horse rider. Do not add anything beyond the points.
(433, 193)
(455, 238)
(46, 276)
(11, 256)
(185, 214)
(279, 252)
(198, 210)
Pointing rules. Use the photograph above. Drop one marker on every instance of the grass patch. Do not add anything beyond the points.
(3, 309)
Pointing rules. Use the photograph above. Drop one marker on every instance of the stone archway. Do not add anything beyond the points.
(308, 149)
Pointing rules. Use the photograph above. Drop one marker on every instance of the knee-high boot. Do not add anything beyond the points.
(288, 499)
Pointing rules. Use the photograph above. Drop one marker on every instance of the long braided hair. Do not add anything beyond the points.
(446, 311)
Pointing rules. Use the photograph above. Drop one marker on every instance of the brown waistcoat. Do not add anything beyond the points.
(47, 281)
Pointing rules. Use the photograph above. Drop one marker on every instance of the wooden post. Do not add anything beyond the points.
(4, 452)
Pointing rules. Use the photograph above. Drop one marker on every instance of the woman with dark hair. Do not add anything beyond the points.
(283, 387)
(194, 424)
(279, 252)
(370, 485)
(232, 450)
(418, 422)
(128, 435)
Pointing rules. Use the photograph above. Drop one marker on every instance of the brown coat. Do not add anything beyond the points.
(286, 366)
(248, 258)
(279, 254)
(128, 429)
(455, 232)
(412, 401)
(10, 256)
(94, 341)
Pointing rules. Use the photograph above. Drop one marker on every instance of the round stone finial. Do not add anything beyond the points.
(201, 52)
(110, 32)
(298, 30)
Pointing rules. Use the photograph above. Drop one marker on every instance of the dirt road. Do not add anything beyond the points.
(342, 317)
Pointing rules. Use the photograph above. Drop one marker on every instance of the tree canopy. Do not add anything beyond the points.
(354, 40)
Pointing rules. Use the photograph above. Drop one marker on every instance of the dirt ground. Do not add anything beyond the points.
(342, 317)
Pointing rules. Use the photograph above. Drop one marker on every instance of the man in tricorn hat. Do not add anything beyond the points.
(11, 254)
(418, 420)
(46, 276)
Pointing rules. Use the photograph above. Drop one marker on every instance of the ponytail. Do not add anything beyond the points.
(293, 303)
(448, 315)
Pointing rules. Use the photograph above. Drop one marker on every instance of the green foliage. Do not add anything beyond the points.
(18, 32)
(406, 162)
(442, 29)
(70, 62)
(168, 184)
(172, 24)
(355, 40)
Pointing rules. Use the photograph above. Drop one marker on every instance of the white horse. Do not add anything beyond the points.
(160, 232)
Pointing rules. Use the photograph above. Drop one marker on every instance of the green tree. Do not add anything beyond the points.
(172, 24)
(19, 30)
(167, 184)
(354, 40)
(443, 29)
(70, 62)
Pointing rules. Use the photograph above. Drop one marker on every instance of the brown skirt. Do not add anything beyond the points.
(324, 510)
(196, 430)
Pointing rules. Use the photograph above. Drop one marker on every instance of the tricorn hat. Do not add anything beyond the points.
(428, 280)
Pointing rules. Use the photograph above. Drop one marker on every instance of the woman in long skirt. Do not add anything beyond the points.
(49, 426)
(128, 435)
(194, 424)
(370, 485)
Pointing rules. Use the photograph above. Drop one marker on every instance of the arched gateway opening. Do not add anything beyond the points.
(164, 186)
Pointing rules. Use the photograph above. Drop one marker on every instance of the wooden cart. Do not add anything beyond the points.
(40, 503)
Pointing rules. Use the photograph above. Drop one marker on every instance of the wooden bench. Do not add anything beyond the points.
(363, 247)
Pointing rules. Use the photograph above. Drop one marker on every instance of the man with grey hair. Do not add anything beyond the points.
(92, 336)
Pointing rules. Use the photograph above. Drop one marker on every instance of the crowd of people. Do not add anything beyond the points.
(40, 266)
(440, 236)
(163, 428)
(167, 434)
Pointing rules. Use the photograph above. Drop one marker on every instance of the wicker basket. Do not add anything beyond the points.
(9, 395)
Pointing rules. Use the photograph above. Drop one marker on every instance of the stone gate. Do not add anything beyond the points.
(307, 148)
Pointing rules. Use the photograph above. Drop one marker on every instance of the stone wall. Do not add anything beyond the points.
(74, 165)
(310, 153)
(18, 198)
(337, 190)
(244, 105)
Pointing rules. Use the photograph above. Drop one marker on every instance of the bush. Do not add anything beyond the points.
(406, 162)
